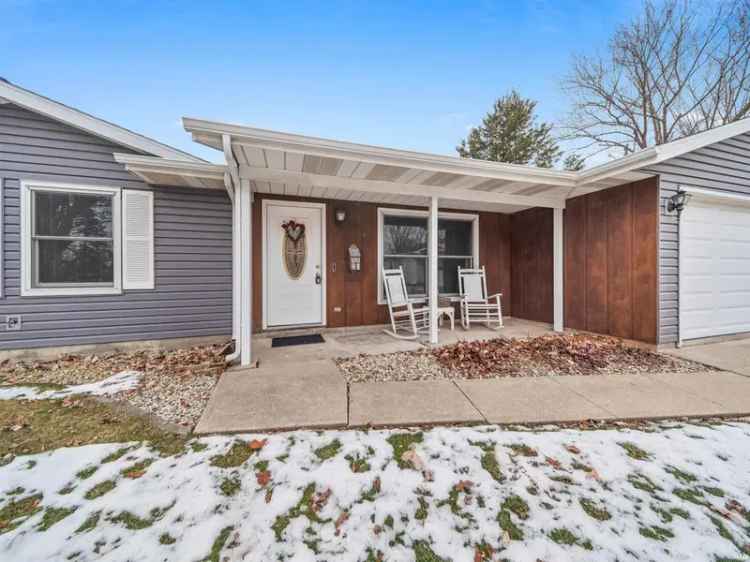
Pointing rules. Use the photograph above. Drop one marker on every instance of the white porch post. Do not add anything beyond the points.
(558, 256)
(244, 201)
(432, 252)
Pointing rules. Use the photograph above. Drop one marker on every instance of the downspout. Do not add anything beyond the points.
(231, 181)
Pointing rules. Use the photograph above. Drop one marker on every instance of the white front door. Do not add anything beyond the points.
(294, 263)
(714, 269)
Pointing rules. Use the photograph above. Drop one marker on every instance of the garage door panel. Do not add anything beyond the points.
(714, 269)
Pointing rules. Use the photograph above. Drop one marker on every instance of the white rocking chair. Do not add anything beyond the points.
(476, 305)
(407, 322)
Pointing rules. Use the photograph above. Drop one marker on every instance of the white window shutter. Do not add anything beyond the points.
(138, 239)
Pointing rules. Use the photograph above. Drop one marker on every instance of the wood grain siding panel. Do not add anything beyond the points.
(574, 232)
(611, 266)
(645, 260)
(192, 247)
(356, 293)
(721, 167)
(531, 264)
(619, 204)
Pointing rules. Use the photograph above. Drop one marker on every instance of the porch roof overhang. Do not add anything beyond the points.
(160, 171)
(297, 165)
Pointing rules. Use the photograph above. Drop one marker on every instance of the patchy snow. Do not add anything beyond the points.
(671, 492)
(120, 382)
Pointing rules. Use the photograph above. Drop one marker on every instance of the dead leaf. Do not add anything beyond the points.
(554, 463)
(257, 445)
(263, 477)
(410, 456)
(573, 449)
(340, 521)
(320, 499)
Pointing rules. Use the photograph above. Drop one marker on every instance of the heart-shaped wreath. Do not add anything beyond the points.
(294, 230)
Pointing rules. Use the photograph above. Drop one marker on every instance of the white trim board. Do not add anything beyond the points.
(27, 286)
(323, 257)
(382, 211)
(80, 120)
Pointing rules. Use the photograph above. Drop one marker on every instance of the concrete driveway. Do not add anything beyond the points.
(728, 356)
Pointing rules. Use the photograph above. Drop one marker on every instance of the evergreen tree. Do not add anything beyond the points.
(510, 133)
(573, 162)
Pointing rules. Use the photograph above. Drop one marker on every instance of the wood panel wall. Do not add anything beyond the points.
(532, 264)
(611, 261)
(352, 298)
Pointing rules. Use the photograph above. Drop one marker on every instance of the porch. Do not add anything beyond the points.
(302, 387)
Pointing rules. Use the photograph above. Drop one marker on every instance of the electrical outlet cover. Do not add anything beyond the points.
(13, 323)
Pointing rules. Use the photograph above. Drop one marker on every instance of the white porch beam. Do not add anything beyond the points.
(244, 201)
(432, 276)
(396, 188)
(558, 250)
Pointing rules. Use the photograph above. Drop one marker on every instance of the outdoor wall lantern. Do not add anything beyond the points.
(677, 202)
(340, 215)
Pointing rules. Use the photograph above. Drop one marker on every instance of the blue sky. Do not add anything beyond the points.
(409, 75)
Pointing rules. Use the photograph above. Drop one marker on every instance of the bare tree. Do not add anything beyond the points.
(681, 67)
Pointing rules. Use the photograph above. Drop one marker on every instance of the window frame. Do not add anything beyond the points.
(28, 287)
(465, 217)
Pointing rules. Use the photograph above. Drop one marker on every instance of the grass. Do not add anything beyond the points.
(517, 505)
(358, 463)
(643, 482)
(561, 535)
(116, 455)
(656, 533)
(86, 472)
(138, 469)
(634, 451)
(681, 475)
(217, 545)
(592, 510)
(422, 510)
(690, 495)
(100, 489)
(304, 508)
(328, 451)
(50, 424)
(230, 486)
(16, 512)
(505, 521)
(402, 442)
(134, 523)
(489, 460)
(522, 449)
(237, 454)
(423, 553)
(166, 539)
(54, 515)
(91, 522)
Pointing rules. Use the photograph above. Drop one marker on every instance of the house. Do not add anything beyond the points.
(108, 236)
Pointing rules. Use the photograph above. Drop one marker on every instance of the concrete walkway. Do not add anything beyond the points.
(732, 355)
(314, 395)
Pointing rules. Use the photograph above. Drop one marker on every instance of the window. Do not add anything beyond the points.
(403, 242)
(71, 240)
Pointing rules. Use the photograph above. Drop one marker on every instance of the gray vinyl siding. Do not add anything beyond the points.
(724, 166)
(192, 247)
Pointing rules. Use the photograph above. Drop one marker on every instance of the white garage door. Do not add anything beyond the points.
(714, 268)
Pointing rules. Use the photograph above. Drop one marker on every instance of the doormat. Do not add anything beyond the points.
(296, 340)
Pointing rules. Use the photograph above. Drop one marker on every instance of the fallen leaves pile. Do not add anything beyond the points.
(567, 354)
(79, 369)
(175, 386)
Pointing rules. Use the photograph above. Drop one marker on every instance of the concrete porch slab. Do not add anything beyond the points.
(530, 400)
(383, 404)
(278, 397)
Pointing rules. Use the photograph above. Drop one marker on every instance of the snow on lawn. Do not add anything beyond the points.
(669, 493)
(120, 382)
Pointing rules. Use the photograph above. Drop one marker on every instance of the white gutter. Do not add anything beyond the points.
(230, 183)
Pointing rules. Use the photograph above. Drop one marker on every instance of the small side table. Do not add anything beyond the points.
(448, 311)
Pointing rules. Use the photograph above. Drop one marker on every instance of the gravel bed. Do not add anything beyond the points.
(175, 385)
(530, 357)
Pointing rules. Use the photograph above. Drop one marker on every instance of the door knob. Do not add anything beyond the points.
(318, 278)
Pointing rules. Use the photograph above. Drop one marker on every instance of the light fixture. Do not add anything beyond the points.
(340, 215)
(677, 202)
